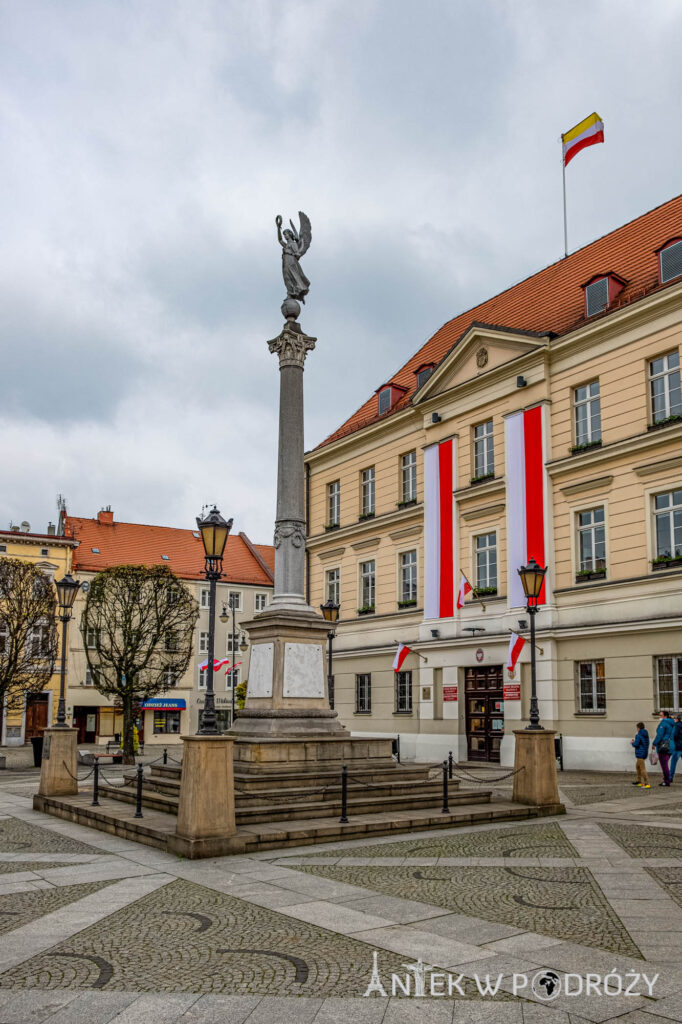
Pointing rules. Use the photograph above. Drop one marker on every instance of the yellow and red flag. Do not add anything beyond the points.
(588, 133)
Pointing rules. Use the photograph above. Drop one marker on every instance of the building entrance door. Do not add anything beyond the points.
(36, 714)
(85, 720)
(485, 712)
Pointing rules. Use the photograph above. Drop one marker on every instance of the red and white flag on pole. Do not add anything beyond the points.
(516, 643)
(401, 654)
(464, 589)
(216, 664)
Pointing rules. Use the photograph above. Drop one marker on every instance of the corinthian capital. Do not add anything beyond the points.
(292, 347)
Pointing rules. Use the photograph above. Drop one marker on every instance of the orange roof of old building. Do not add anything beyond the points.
(550, 302)
(139, 544)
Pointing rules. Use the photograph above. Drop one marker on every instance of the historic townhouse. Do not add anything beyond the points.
(547, 421)
(52, 555)
(248, 574)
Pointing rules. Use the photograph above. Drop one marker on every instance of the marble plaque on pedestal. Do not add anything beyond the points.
(260, 670)
(303, 671)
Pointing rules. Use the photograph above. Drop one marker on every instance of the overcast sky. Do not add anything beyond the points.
(147, 146)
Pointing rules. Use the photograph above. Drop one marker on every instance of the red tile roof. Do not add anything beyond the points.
(138, 544)
(551, 301)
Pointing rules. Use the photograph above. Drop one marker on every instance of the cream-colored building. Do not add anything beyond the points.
(593, 342)
(247, 586)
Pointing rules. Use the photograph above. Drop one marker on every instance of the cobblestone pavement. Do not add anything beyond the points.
(644, 840)
(544, 840)
(102, 930)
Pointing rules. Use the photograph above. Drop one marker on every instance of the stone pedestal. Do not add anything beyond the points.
(206, 826)
(535, 781)
(59, 768)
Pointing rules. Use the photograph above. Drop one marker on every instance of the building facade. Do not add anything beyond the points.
(546, 421)
(52, 554)
(246, 587)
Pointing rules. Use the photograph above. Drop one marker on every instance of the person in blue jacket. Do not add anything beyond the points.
(663, 744)
(676, 750)
(641, 745)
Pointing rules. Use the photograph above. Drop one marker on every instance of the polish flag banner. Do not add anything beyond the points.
(216, 664)
(525, 496)
(464, 589)
(401, 654)
(228, 669)
(439, 537)
(516, 644)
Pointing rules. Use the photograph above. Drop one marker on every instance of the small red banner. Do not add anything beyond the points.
(512, 691)
(449, 693)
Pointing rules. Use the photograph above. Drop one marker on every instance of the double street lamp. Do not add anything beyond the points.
(532, 578)
(214, 533)
(330, 610)
(67, 589)
(243, 646)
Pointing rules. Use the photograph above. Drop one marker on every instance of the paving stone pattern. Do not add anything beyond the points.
(187, 938)
(546, 840)
(644, 841)
(19, 908)
(9, 867)
(670, 879)
(563, 902)
(582, 795)
(17, 836)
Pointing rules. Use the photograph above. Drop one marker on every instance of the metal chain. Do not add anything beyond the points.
(78, 778)
(486, 781)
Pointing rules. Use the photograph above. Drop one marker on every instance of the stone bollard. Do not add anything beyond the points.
(206, 825)
(59, 767)
(535, 781)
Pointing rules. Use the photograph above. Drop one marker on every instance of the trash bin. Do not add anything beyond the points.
(37, 744)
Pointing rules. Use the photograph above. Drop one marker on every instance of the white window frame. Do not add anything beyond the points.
(91, 637)
(676, 660)
(363, 693)
(89, 680)
(669, 371)
(408, 476)
(334, 503)
(594, 680)
(486, 550)
(233, 674)
(170, 678)
(205, 598)
(407, 561)
(668, 513)
(4, 636)
(332, 585)
(203, 678)
(259, 602)
(368, 583)
(231, 595)
(588, 402)
(203, 642)
(590, 529)
(403, 693)
(368, 491)
(484, 450)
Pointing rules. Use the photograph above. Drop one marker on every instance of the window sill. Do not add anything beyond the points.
(576, 449)
(589, 714)
(365, 611)
(407, 604)
(481, 479)
(365, 516)
(407, 504)
(668, 421)
(332, 526)
(485, 592)
(404, 714)
(598, 574)
(362, 713)
(668, 563)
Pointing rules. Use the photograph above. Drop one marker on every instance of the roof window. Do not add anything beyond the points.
(601, 291)
(384, 400)
(95, 551)
(389, 394)
(423, 373)
(670, 258)
(195, 533)
(166, 558)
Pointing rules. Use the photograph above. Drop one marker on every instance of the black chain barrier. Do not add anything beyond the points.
(78, 778)
(452, 766)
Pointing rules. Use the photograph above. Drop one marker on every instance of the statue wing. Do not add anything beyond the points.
(305, 234)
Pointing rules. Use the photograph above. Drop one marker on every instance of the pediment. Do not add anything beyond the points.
(481, 350)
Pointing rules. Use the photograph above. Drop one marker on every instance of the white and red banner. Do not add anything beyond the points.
(401, 654)
(216, 664)
(516, 644)
(439, 576)
(525, 496)
(464, 589)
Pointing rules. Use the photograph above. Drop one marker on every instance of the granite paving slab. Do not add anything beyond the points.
(645, 840)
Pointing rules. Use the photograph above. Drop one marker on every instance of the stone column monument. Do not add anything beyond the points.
(287, 686)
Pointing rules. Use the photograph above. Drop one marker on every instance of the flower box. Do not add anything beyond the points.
(367, 610)
(585, 447)
(332, 526)
(407, 504)
(481, 479)
(408, 604)
(366, 515)
(665, 423)
(665, 562)
(585, 575)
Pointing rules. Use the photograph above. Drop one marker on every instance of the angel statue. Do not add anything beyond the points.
(294, 245)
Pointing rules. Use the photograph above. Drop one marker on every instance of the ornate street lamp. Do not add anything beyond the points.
(532, 578)
(67, 588)
(225, 617)
(330, 611)
(214, 533)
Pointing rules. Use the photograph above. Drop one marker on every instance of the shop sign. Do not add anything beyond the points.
(449, 693)
(512, 691)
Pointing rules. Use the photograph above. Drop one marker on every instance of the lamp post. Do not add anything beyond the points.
(214, 533)
(532, 578)
(224, 617)
(67, 588)
(330, 610)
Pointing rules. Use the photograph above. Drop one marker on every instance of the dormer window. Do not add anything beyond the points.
(601, 291)
(389, 394)
(670, 257)
(423, 373)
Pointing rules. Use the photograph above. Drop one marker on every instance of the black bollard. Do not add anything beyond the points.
(95, 785)
(165, 755)
(138, 803)
(344, 796)
(446, 809)
(450, 763)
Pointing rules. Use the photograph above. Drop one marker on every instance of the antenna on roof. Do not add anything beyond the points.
(61, 503)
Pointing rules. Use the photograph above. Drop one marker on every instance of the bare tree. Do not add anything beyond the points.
(137, 625)
(28, 631)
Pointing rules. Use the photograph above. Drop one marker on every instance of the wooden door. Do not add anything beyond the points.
(36, 715)
(484, 712)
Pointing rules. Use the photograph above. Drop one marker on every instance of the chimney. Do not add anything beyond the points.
(25, 526)
(106, 516)
(51, 529)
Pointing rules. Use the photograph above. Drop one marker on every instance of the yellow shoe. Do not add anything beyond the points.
(647, 786)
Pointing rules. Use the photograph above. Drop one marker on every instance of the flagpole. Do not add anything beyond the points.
(537, 646)
(473, 589)
(412, 651)
(563, 174)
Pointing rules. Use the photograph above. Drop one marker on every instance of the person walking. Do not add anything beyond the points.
(663, 742)
(641, 745)
(676, 748)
